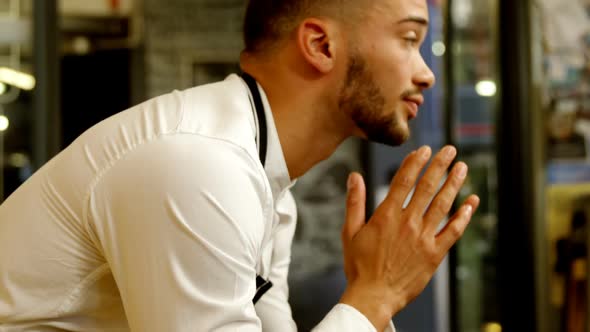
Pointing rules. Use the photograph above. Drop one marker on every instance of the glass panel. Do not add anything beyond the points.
(16, 107)
(473, 79)
(566, 39)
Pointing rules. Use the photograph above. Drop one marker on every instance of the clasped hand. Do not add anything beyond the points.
(389, 260)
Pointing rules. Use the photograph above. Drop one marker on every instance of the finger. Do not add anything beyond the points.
(442, 203)
(405, 178)
(430, 182)
(355, 206)
(455, 228)
(473, 200)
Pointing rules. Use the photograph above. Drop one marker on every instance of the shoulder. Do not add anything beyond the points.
(221, 110)
(198, 180)
(187, 163)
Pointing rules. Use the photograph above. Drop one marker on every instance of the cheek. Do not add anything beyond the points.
(394, 78)
(398, 63)
(391, 68)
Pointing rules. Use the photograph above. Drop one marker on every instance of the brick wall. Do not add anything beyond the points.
(179, 33)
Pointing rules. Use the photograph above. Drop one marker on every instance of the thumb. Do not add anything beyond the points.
(355, 206)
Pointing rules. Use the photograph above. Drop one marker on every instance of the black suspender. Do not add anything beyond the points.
(262, 285)
(259, 108)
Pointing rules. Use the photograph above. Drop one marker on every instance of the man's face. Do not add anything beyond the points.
(386, 73)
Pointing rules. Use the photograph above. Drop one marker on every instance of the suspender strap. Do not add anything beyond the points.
(259, 107)
(262, 285)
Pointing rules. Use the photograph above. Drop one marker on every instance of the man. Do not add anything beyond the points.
(175, 214)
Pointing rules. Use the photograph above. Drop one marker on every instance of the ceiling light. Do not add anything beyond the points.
(492, 327)
(4, 123)
(17, 78)
(438, 48)
(81, 45)
(18, 160)
(486, 88)
(3, 88)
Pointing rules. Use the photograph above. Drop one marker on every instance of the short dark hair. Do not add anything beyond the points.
(268, 21)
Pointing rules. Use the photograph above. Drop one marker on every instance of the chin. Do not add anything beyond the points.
(399, 135)
(404, 139)
(405, 135)
(389, 130)
(392, 138)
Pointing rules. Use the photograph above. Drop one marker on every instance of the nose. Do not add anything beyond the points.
(424, 77)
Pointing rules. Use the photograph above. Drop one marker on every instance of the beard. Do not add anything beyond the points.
(362, 99)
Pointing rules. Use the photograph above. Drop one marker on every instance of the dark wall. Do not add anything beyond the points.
(94, 87)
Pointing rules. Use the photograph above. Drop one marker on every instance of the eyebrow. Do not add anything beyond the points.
(414, 19)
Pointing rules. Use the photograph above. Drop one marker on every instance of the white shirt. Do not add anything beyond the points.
(157, 219)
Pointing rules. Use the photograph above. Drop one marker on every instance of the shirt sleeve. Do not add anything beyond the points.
(345, 318)
(180, 220)
(273, 308)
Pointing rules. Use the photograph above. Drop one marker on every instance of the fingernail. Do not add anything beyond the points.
(450, 152)
(468, 210)
(424, 152)
(351, 181)
(461, 171)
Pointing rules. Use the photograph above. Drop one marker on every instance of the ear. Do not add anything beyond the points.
(317, 43)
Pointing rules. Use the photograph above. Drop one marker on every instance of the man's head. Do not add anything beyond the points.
(267, 22)
(365, 53)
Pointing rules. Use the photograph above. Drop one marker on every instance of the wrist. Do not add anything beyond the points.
(373, 302)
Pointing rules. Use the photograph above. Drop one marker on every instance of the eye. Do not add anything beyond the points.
(411, 39)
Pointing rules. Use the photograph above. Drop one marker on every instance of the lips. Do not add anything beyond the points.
(414, 103)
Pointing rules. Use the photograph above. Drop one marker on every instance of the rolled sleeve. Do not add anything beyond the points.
(345, 318)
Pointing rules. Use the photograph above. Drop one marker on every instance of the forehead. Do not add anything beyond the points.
(399, 9)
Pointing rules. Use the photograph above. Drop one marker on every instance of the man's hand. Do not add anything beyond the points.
(389, 260)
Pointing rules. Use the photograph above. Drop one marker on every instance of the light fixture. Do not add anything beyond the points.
(3, 88)
(81, 45)
(486, 88)
(462, 11)
(438, 48)
(17, 78)
(18, 160)
(492, 327)
(4, 123)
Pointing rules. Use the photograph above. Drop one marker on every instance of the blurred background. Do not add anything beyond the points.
(513, 95)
